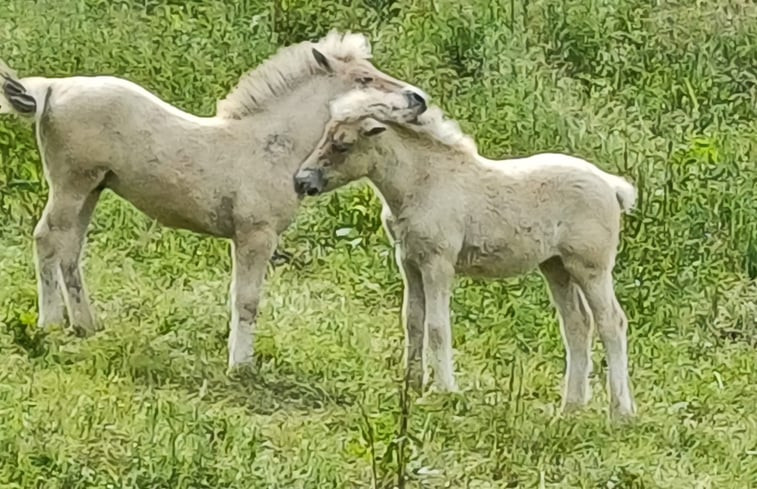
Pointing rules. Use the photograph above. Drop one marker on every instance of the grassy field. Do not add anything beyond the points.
(663, 92)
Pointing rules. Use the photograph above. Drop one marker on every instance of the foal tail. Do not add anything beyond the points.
(624, 191)
(16, 98)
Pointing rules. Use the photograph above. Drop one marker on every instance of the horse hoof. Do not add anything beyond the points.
(241, 370)
(570, 408)
(84, 331)
(622, 416)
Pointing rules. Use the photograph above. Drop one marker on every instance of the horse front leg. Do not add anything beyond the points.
(251, 251)
(438, 277)
(59, 238)
(413, 314)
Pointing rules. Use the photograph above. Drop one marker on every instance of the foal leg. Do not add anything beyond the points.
(438, 277)
(575, 326)
(74, 291)
(50, 301)
(413, 313)
(59, 238)
(612, 326)
(251, 251)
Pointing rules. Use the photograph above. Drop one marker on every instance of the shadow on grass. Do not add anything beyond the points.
(264, 387)
(195, 365)
(265, 390)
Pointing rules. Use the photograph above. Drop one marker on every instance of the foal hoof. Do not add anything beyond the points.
(441, 390)
(241, 371)
(415, 386)
(414, 380)
(84, 331)
(51, 322)
(434, 396)
(571, 408)
(622, 416)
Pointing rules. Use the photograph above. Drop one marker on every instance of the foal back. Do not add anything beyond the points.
(523, 212)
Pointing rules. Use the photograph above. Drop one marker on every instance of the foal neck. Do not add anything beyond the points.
(411, 166)
(400, 171)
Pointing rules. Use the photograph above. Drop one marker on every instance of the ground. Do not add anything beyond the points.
(664, 94)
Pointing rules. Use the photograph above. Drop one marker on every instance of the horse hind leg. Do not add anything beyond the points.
(576, 328)
(612, 325)
(50, 300)
(59, 239)
(75, 292)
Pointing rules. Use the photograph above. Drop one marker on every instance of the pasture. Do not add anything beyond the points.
(663, 93)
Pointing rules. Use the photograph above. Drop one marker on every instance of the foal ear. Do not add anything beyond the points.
(371, 127)
(374, 130)
(320, 58)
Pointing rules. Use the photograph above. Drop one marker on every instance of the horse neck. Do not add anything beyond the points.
(400, 169)
(300, 115)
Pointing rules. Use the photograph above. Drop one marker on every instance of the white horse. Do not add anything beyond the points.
(227, 176)
(455, 211)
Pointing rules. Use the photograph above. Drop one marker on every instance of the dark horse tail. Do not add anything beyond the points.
(15, 98)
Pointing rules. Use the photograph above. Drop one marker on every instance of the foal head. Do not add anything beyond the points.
(356, 119)
(360, 72)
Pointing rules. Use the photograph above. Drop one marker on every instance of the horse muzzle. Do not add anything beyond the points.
(416, 101)
(309, 182)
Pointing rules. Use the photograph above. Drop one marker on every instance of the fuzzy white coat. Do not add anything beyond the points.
(228, 176)
(452, 211)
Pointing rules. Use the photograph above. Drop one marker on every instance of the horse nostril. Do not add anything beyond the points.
(301, 185)
(415, 100)
(312, 191)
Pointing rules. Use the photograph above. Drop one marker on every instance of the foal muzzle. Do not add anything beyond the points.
(416, 101)
(309, 182)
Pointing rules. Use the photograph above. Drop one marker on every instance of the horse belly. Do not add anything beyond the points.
(178, 208)
(504, 255)
(495, 263)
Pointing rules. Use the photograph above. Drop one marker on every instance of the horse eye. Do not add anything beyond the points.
(340, 147)
(365, 80)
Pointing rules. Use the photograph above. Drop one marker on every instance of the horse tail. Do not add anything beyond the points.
(624, 191)
(24, 98)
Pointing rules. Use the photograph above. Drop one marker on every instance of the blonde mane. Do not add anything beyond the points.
(285, 69)
(434, 124)
(360, 103)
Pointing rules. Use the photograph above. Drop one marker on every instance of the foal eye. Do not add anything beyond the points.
(340, 147)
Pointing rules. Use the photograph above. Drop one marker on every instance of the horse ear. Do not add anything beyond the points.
(374, 130)
(320, 58)
(371, 127)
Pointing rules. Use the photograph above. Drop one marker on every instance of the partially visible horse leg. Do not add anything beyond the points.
(251, 251)
(413, 307)
(612, 325)
(438, 277)
(59, 238)
(50, 301)
(575, 326)
(413, 314)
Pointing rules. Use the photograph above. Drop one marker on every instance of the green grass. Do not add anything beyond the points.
(662, 92)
